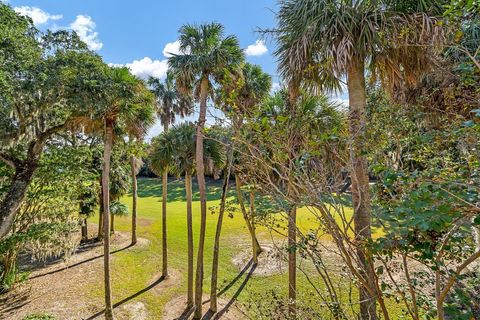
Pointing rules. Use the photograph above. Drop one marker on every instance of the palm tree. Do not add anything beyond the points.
(208, 54)
(255, 86)
(129, 105)
(135, 166)
(320, 42)
(169, 104)
(178, 145)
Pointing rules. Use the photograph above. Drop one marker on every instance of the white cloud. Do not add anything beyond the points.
(146, 67)
(38, 16)
(84, 26)
(171, 48)
(256, 49)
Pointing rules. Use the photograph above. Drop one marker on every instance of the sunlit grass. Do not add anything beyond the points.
(134, 269)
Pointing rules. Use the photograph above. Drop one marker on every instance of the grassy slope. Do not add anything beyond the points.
(134, 269)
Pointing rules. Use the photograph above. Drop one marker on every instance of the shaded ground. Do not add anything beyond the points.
(55, 285)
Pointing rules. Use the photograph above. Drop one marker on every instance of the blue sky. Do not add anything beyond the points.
(140, 33)
(132, 30)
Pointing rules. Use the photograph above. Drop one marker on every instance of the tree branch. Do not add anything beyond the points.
(9, 160)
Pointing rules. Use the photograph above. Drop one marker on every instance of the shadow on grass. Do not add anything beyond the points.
(121, 302)
(221, 312)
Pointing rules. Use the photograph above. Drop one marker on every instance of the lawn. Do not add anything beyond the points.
(134, 269)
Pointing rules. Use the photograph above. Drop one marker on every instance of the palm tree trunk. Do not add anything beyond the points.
(100, 215)
(108, 144)
(188, 190)
(360, 183)
(134, 200)
(203, 200)
(164, 224)
(164, 217)
(255, 245)
(84, 230)
(216, 246)
(292, 263)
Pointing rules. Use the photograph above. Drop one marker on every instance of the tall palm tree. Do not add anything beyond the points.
(169, 104)
(129, 106)
(178, 146)
(208, 54)
(254, 87)
(135, 166)
(320, 42)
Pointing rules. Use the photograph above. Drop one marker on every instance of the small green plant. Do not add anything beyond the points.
(39, 316)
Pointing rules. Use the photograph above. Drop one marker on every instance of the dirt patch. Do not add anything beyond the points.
(161, 284)
(55, 287)
(271, 261)
(143, 222)
(227, 310)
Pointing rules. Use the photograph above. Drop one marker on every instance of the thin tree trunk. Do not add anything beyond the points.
(112, 223)
(106, 214)
(292, 263)
(100, 214)
(188, 190)
(256, 249)
(164, 224)
(134, 200)
(360, 183)
(216, 246)
(84, 230)
(255, 245)
(203, 200)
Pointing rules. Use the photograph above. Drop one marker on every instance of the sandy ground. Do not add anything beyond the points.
(271, 261)
(54, 286)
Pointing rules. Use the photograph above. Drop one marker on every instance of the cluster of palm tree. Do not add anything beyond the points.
(320, 43)
(128, 110)
(210, 68)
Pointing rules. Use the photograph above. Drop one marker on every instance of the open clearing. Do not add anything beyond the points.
(74, 289)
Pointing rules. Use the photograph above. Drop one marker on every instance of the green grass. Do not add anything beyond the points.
(133, 269)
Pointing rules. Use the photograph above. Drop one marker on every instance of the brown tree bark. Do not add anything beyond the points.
(107, 153)
(188, 190)
(100, 214)
(216, 246)
(360, 183)
(203, 199)
(164, 224)
(84, 230)
(292, 263)
(134, 200)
